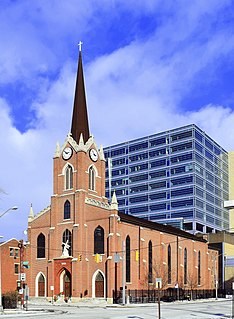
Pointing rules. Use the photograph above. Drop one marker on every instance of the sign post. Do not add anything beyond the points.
(52, 294)
(232, 300)
(159, 286)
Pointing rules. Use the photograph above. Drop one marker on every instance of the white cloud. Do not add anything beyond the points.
(132, 92)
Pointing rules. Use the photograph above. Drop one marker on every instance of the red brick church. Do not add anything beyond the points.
(81, 246)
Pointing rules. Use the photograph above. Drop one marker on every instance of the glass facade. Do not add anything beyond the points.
(178, 177)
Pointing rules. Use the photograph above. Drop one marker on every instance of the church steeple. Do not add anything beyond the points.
(80, 122)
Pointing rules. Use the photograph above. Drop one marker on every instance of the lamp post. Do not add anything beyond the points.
(2, 214)
(9, 209)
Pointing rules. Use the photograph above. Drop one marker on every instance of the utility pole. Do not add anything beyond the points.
(232, 300)
(123, 271)
(215, 279)
(21, 247)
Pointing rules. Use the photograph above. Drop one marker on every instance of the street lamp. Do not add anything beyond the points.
(9, 209)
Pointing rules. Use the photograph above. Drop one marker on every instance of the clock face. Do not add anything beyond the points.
(67, 153)
(93, 155)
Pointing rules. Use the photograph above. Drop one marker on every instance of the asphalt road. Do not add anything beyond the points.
(210, 310)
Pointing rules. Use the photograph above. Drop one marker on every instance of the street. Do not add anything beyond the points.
(209, 310)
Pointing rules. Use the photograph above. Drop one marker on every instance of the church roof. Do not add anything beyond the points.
(159, 227)
(80, 122)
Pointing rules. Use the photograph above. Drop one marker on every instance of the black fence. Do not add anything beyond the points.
(168, 295)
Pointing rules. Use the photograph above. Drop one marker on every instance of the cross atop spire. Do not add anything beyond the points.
(80, 45)
(80, 122)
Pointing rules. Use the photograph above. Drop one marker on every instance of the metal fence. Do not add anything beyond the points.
(168, 295)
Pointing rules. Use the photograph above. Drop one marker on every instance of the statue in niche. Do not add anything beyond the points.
(65, 249)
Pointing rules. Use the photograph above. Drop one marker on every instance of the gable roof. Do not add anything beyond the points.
(159, 227)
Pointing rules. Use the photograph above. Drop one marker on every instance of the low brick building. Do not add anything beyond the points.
(10, 265)
(81, 246)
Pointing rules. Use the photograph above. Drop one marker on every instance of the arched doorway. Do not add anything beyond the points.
(41, 286)
(65, 283)
(99, 285)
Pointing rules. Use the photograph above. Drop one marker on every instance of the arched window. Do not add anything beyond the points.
(185, 266)
(169, 264)
(92, 176)
(41, 246)
(67, 210)
(68, 177)
(128, 259)
(150, 259)
(199, 268)
(67, 238)
(99, 240)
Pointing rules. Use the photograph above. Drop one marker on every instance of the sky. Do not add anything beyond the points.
(149, 66)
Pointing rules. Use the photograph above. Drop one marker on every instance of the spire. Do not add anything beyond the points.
(114, 203)
(31, 214)
(80, 122)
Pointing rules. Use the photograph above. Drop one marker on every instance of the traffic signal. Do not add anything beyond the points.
(79, 257)
(97, 258)
(137, 255)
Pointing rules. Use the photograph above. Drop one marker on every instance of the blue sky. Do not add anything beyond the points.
(149, 66)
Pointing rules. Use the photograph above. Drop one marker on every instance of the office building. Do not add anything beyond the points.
(177, 177)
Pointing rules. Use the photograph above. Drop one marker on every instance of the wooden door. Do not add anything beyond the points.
(41, 286)
(99, 286)
(67, 285)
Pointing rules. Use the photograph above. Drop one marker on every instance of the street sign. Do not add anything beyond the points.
(158, 282)
(116, 258)
(22, 276)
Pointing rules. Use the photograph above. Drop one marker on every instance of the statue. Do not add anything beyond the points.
(65, 249)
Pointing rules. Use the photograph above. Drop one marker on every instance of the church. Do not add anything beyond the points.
(81, 246)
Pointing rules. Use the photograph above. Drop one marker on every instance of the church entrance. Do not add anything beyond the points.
(99, 285)
(67, 284)
(41, 286)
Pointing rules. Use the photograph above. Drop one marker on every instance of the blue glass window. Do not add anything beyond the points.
(138, 147)
(156, 207)
(158, 163)
(181, 147)
(158, 174)
(138, 199)
(158, 196)
(182, 203)
(158, 185)
(198, 136)
(180, 136)
(182, 180)
(198, 147)
(117, 152)
(158, 141)
(138, 157)
(159, 152)
(140, 188)
(137, 178)
(182, 192)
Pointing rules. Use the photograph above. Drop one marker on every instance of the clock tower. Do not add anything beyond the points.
(66, 227)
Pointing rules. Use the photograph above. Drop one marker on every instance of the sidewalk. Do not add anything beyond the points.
(36, 308)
